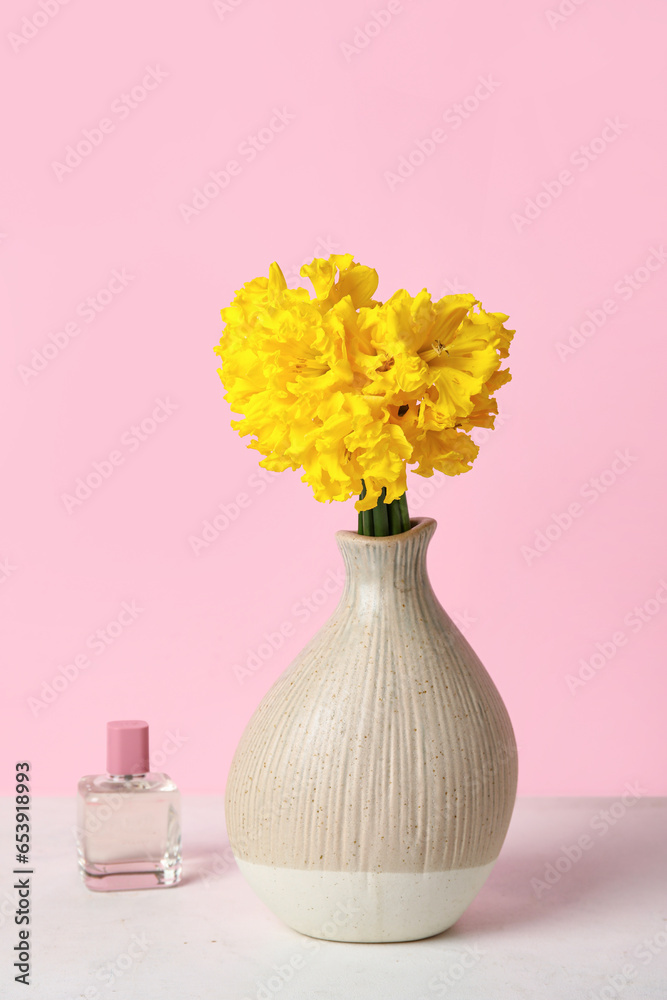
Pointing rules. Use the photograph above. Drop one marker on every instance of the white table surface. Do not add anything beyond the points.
(210, 938)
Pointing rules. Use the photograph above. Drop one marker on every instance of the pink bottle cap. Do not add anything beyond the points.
(127, 747)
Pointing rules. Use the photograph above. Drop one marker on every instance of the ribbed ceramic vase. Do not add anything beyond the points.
(372, 789)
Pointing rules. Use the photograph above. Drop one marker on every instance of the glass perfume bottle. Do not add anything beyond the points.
(128, 821)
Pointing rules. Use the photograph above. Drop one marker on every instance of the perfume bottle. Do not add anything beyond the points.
(128, 821)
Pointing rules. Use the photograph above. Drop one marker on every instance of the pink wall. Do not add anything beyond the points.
(569, 110)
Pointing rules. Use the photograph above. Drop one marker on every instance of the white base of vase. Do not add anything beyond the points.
(366, 906)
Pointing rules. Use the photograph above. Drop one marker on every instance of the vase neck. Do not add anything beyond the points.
(396, 563)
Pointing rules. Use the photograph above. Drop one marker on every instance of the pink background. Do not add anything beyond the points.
(360, 101)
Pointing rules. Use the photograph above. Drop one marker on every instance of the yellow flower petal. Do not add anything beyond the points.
(351, 390)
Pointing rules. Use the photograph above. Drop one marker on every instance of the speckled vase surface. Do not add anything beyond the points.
(372, 789)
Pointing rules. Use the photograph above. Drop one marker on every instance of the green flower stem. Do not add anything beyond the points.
(366, 522)
(402, 503)
(385, 518)
(395, 519)
(381, 516)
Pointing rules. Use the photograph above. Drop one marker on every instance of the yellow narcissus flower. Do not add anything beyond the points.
(352, 390)
(338, 277)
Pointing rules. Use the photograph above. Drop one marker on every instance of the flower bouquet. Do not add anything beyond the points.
(353, 391)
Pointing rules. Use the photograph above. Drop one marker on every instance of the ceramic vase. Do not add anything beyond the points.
(372, 789)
